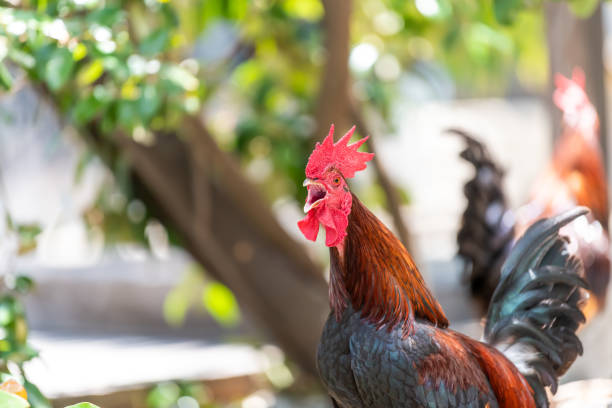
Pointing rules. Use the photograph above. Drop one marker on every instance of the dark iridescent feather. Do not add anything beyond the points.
(536, 305)
(487, 226)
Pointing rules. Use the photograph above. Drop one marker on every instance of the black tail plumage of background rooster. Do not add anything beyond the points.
(575, 176)
(386, 343)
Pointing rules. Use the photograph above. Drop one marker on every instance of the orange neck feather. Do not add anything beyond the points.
(577, 156)
(378, 276)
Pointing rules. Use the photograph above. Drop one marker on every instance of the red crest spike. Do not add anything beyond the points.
(339, 155)
(345, 139)
(570, 96)
(330, 134)
(579, 77)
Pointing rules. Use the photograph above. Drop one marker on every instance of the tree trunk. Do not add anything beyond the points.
(576, 42)
(229, 229)
(333, 101)
(335, 104)
(226, 226)
(391, 193)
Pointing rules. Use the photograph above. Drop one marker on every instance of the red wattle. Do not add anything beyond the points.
(335, 223)
(309, 226)
(333, 219)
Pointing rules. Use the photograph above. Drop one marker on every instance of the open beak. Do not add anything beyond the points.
(316, 194)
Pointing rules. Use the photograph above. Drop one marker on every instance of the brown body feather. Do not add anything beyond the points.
(508, 384)
(378, 271)
(483, 365)
(377, 275)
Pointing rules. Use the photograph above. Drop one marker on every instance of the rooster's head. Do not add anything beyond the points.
(329, 198)
(578, 111)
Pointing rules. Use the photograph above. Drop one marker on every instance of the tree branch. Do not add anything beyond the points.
(391, 192)
(242, 245)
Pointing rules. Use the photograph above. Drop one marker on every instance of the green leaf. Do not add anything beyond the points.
(8, 400)
(221, 304)
(155, 43)
(117, 67)
(7, 311)
(23, 284)
(237, 9)
(248, 73)
(149, 102)
(127, 113)
(583, 8)
(59, 68)
(3, 47)
(163, 395)
(90, 73)
(506, 10)
(24, 352)
(20, 335)
(182, 296)
(42, 55)
(181, 77)
(22, 58)
(310, 10)
(86, 109)
(35, 397)
(27, 237)
(6, 79)
(86, 157)
(176, 306)
(83, 405)
(107, 16)
(79, 52)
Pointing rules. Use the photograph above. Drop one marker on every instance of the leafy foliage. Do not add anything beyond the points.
(12, 395)
(14, 347)
(195, 291)
(103, 66)
(140, 66)
(8, 400)
(171, 394)
(15, 394)
(506, 10)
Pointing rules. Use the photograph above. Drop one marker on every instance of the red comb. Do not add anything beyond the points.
(570, 95)
(340, 155)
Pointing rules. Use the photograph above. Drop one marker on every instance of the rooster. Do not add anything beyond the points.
(576, 176)
(387, 343)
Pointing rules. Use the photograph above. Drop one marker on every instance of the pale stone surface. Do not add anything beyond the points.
(73, 365)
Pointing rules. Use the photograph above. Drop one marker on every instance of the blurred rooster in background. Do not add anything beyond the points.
(575, 176)
(386, 343)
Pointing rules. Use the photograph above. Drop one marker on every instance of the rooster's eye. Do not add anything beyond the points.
(336, 180)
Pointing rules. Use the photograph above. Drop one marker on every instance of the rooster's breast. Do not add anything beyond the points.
(364, 367)
(334, 359)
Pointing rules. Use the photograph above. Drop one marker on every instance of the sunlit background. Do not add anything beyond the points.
(128, 280)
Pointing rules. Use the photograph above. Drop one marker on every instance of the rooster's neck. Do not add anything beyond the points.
(376, 274)
(578, 161)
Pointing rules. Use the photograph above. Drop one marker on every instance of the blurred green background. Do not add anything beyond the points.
(188, 125)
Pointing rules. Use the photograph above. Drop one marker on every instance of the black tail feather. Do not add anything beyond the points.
(487, 226)
(535, 310)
